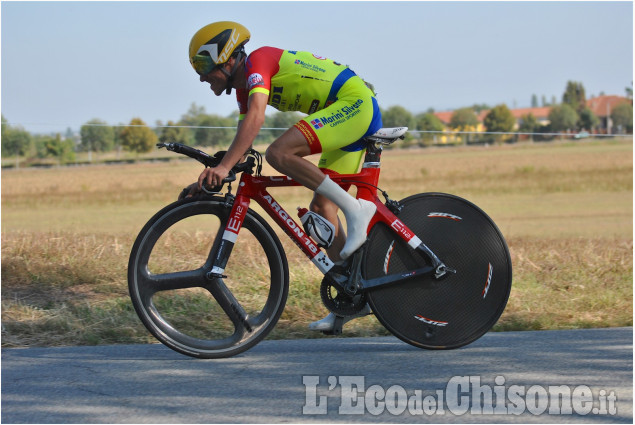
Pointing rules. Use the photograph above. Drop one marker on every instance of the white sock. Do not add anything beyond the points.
(358, 213)
(342, 199)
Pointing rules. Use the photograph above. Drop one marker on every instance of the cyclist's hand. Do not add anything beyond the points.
(189, 191)
(213, 176)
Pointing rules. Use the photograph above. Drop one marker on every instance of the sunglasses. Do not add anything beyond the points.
(203, 64)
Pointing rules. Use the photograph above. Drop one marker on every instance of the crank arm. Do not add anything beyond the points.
(351, 280)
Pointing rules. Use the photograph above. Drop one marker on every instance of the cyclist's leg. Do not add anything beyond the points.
(336, 162)
(286, 155)
(349, 119)
(339, 130)
(328, 209)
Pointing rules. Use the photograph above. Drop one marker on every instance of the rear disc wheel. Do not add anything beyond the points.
(457, 309)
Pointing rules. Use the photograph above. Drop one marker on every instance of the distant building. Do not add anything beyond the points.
(602, 106)
(541, 114)
(456, 136)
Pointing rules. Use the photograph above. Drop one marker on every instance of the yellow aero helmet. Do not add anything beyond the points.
(215, 43)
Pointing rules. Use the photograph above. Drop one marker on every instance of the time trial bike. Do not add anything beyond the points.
(209, 277)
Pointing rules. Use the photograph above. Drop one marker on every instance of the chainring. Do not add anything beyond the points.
(337, 301)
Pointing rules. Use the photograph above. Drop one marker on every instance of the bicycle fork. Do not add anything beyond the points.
(220, 256)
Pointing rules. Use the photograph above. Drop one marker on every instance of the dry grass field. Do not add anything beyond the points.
(566, 210)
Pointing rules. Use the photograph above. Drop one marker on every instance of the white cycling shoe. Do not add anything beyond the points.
(327, 324)
(356, 225)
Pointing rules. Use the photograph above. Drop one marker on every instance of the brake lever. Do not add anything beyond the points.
(217, 189)
(230, 177)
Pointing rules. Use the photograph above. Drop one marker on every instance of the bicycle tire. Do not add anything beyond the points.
(442, 313)
(188, 312)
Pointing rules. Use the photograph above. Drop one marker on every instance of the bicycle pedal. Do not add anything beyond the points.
(337, 327)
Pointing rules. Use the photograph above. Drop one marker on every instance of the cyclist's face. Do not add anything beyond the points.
(217, 81)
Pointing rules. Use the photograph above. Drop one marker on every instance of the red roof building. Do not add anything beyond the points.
(602, 106)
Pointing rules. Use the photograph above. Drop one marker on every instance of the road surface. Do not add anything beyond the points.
(581, 376)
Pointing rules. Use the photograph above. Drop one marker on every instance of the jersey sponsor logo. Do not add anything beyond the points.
(296, 106)
(333, 120)
(309, 66)
(276, 96)
(322, 58)
(317, 124)
(340, 116)
(255, 80)
(315, 104)
(310, 136)
(353, 108)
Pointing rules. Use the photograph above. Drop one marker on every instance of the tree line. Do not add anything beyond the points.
(197, 128)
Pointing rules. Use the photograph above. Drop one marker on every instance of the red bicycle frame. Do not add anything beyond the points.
(255, 187)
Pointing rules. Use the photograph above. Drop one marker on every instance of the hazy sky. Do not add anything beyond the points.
(64, 63)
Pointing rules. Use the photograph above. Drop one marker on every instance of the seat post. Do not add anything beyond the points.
(372, 159)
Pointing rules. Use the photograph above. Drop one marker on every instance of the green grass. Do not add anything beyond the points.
(565, 209)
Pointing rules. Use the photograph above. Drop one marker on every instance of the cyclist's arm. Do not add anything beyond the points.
(248, 129)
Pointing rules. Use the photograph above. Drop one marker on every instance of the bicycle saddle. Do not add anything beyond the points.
(389, 135)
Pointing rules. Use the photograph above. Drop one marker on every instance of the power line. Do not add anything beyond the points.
(517, 133)
(448, 132)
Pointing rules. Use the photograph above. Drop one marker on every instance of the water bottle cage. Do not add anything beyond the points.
(320, 230)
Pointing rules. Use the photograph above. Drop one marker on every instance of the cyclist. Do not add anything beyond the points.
(341, 109)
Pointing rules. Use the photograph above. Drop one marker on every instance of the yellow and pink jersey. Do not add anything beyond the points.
(341, 108)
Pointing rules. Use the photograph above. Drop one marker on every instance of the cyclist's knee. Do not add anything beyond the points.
(272, 156)
(277, 156)
(280, 154)
(291, 144)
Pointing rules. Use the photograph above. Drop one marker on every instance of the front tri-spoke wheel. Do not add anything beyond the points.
(192, 311)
